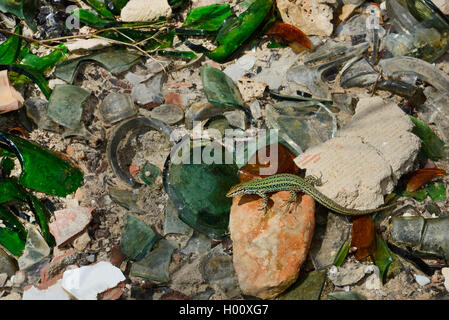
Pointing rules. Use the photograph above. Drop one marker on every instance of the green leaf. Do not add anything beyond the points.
(238, 31)
(432, 146)
(436, 191)
(208, 18)
(383, 258)
(101, 8)
(10, 49)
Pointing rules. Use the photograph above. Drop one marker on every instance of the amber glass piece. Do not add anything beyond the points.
(261, 159)
(363, 237)
(291, 35)
(422, 176)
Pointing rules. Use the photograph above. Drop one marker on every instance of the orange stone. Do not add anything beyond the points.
(269, 249)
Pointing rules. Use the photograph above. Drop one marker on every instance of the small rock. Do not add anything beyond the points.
(269, 249)
(8, 265)
(69, 223)
(310, 16)
(82, 242)
(12, 296)
(421, 280)
(3, 278)
(87, 44)
(150, 91)
(348, 275)
(445, 272)
(19, 278)
(251, 89)
(173, 98)
(443, 5)
(373, 282)
(145, 10)
(243, 65)
(168, 113)
(87, 282)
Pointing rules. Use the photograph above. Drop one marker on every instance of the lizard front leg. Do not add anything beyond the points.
(264, 207)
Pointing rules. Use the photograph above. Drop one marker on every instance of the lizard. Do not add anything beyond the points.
(294, 184)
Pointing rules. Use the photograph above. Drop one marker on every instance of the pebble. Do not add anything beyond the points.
(445, 272)
(168, 113)
(421, 280)
(3, 278)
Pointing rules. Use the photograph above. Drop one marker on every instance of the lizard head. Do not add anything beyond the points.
(236, 190)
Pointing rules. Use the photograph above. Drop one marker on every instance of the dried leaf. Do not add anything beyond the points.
(290, 34)
(422, 176)
(363, 237)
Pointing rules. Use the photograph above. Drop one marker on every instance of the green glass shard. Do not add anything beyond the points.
(162, 41)
(13, 234)
(175, 4)
(207, 209)
(307, 287)
(116, 6)
(341, 256)
(149, 173)
(30, 73)
(436, 191)
(154, 265)
(185, 55)
(432, 145)
(89, 18)
(209, 18)
(10, 190)
(65, 105)
(137, 239)
(100, 7)
(343, 295)
(238, 33)
(9, 50)
(219, 88)
(7, 164)
(43, 170)
(23, 9)
(41, 64)
(383, 258)
(36, 249)
(115, 61)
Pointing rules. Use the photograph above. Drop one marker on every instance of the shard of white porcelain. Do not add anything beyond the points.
(54, 292)
(87, 282)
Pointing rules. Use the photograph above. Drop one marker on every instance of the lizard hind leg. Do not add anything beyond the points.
(314, 180)
(292, 199)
